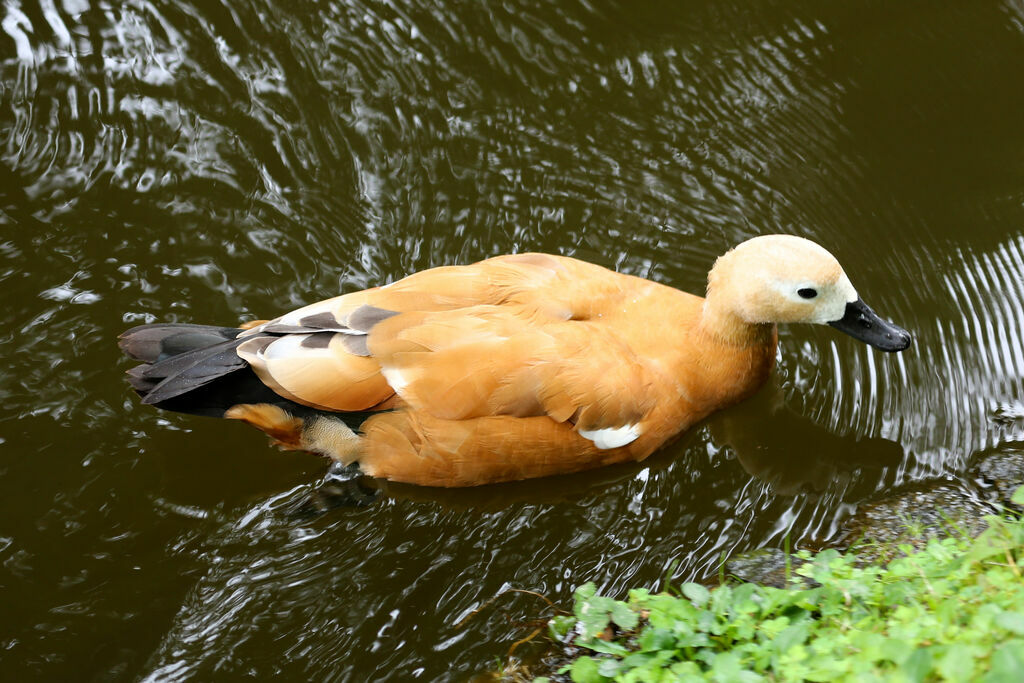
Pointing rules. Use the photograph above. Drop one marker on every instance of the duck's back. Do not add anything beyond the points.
(515, 367)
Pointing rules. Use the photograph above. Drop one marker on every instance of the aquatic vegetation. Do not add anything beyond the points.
(952, 611)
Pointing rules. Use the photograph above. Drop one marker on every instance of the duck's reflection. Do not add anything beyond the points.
(790, 452)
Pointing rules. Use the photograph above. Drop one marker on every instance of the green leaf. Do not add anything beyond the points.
(771, 628)
(725, 667)
(585, 592)
(636, 660)
(1018, 496)
(957, 663)
(790, 636)
(681, 672)
(560, 626)
(584, 670)
(697, 593)
(1007, 663)
(651, 639)
(623, 615)
(991, 542)
(896, 650)
(608, 647)
(608, 667)
(594, 615)
(918, 665)
(1012, 621)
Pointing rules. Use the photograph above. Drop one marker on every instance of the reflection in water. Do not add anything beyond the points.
(231, 160)
(760, 434)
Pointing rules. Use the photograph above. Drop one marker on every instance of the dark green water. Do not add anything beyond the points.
(217, 161)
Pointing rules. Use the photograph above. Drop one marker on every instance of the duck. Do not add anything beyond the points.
(519, 366)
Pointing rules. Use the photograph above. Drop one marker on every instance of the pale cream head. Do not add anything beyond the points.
(779, 279)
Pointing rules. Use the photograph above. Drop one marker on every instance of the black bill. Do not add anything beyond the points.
(860, 322)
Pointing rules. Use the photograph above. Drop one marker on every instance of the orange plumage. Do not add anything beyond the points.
(515, 367)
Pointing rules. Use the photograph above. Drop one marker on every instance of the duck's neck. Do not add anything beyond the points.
(726, 327)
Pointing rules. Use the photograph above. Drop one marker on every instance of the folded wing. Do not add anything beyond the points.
(499, 338)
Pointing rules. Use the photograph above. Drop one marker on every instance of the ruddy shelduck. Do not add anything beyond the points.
(519, 366)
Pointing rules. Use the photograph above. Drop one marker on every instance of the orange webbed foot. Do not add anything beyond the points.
(283, 429)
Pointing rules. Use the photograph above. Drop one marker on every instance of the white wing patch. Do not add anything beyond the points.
(290, 346)
(394, 378)
(611, 437)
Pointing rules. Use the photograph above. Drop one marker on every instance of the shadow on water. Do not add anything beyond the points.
(225, 161)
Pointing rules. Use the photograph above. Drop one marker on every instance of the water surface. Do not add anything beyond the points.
(222, 161)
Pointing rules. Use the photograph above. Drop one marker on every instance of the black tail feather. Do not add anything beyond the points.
(191, 368)
(195, 369)
(183, 373)
(153, 343)
(215, 397)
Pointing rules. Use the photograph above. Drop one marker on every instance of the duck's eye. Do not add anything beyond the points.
(807, 292)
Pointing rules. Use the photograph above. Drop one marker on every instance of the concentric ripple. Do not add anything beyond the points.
(229, 160)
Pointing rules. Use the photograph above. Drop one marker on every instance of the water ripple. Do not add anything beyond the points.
(229, 160)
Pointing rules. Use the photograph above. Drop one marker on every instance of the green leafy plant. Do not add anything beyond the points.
(954, 611)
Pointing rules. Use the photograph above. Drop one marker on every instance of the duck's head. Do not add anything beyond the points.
(787, 279)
